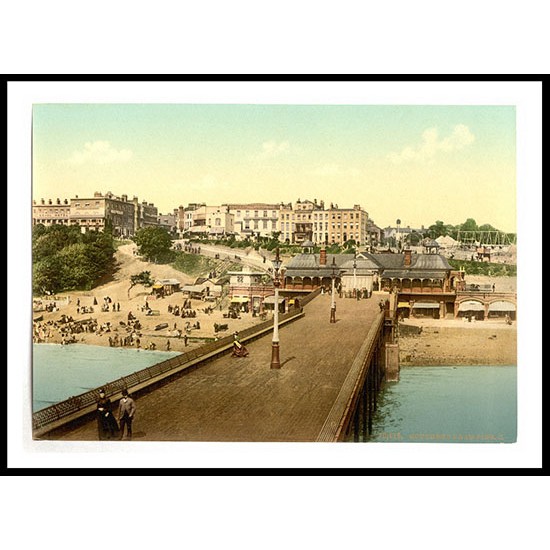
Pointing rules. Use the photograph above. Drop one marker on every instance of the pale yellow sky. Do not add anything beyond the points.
(416, 163)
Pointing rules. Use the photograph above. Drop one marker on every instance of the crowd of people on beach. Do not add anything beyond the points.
(66, 327)
(184, 312)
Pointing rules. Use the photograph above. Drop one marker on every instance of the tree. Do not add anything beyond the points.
(414, 238)
(51, 240)
(469, 225)
(46, 276)
(438, 229)
(64, 258)
(143, 278)
(154, 244)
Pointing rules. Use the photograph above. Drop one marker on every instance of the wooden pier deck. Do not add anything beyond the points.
(242, 399)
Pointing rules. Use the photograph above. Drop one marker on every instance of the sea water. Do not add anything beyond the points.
(463, 404)
(62, 371)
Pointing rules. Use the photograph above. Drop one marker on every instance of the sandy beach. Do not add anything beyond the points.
(133, 301)
(450, 342)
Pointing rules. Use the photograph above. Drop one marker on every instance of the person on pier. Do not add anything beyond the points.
(238, 349)
(107, 425)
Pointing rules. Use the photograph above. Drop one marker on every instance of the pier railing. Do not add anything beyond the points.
(75, 407)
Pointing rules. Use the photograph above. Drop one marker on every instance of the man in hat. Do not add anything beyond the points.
(126, 413)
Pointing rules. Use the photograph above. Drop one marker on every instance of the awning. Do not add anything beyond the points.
(239, 300)
(403, 304)
(271, 300)
(502, 306)
(425, 305)
(157, 286)
(471, 306)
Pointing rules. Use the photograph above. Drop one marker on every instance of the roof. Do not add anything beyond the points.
(392, 265)
(430, 242)
(192, 288)
(271, 299)
(412, 274)
(418, 261)
(446, 240)
(361, 264)
(167, 282)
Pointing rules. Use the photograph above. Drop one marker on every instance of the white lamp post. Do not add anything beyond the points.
(333, 297)
(275, 361)
(355, 274)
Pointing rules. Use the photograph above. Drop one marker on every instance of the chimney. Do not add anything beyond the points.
(323, 256)
(407, 262)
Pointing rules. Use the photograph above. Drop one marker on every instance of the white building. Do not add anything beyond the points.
(254, 219)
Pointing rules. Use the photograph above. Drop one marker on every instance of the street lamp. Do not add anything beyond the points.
(333, 297)
(275, 361)
(355, 274)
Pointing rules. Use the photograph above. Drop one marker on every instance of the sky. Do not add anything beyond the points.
(415, 163)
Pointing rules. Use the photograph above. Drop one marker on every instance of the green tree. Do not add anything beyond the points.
(64, 258)
(469, 225)
(414, 238)
(143, 278)
(46, 275)
(78, 268)
(51, 240)
(438, 229)
(154, 244)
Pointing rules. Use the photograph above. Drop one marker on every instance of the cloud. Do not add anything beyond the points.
(333, 169)
(99, 152)
(431, 144)
(273, 148)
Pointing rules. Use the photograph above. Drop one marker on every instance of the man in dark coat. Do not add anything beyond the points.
(106, 424)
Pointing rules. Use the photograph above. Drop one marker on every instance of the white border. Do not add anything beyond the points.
(25, 453)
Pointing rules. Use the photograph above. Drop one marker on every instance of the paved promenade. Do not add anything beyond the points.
(242, 399)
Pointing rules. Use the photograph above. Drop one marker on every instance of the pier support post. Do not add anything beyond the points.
(364, 407)
(392, 362)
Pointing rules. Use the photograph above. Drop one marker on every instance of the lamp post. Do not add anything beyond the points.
(333, 297)
(355, 274)
(275, 361)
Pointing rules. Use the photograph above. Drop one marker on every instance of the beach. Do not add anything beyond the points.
(453, 342)
(133, 300)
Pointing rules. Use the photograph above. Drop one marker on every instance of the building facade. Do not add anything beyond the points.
(169, 222)
(51, 212)
(347, 224)
(92, 213)
(311, 221)
(211, 222)
(254, 219)
(248, 290)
